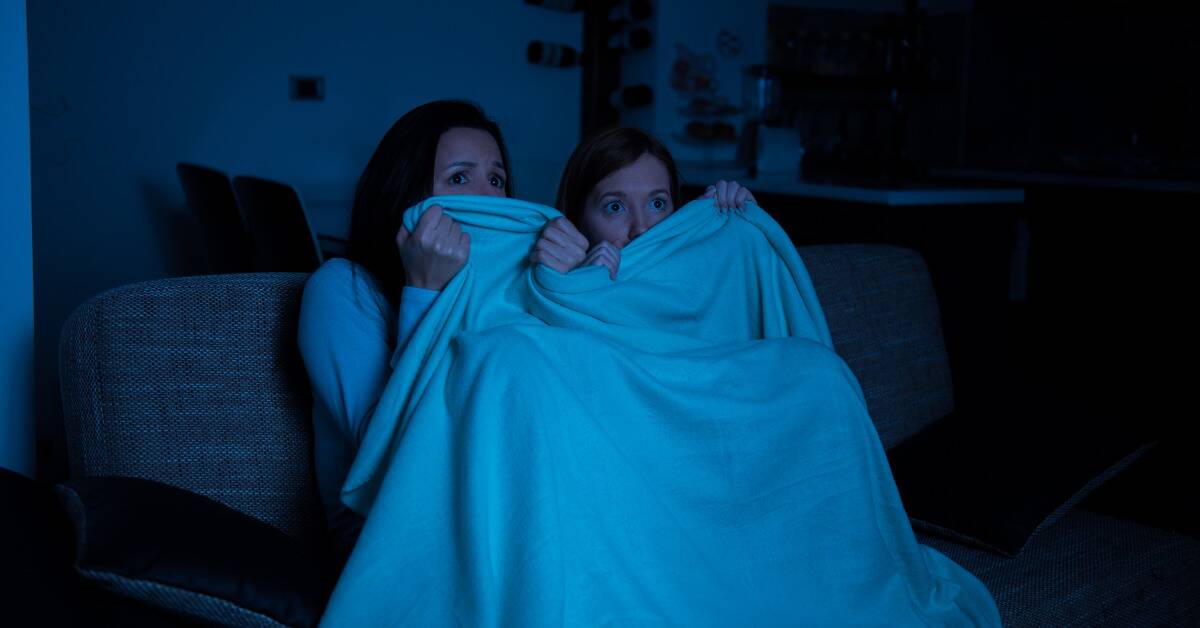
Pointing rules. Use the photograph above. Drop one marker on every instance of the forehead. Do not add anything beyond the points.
(460, 143)
(644, 174)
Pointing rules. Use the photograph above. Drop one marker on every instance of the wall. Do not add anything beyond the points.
(120, 91)
(16, 254)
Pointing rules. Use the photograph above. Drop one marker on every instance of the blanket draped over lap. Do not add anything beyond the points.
(680, 446)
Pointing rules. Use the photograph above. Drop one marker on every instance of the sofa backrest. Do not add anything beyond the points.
(196, 382)
(884, 319)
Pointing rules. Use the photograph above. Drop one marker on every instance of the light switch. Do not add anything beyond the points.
(307, 87)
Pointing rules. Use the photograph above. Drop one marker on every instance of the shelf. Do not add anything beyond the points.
(708, 112)
(863, 82)
(688, 140)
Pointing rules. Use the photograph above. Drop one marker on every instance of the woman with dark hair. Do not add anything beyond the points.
(441, 147)
(357, 312)
(615, 186)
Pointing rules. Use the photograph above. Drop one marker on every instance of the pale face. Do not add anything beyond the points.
(628, 202)
(468, 161)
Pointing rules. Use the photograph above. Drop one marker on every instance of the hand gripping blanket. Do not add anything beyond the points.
(678, 447)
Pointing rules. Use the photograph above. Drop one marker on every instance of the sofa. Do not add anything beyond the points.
(187, 413)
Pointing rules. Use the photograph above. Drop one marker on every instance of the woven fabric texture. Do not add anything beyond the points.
(196, 382)
(1090, 570)
(187, 603)
(883, 315)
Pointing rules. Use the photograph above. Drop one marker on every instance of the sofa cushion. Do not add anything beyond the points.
(883, 315)
(185, 553)
(997, 479)
(196, 382)
(1090, 570)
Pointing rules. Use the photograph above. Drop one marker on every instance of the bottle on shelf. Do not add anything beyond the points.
(629, 11)
(553, 55)
(631, 96)
(631, 38)
(566, 6)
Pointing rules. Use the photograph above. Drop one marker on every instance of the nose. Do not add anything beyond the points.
(638, 225)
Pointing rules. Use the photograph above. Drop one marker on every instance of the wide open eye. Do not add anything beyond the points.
(496, 182)
(658, 204)
(458, 178)
(614, 207)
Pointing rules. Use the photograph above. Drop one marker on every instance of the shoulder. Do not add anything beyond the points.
(334, 274)
(342, 285)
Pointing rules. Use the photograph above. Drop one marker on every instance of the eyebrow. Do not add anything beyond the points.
(620, 194)
(471, 164)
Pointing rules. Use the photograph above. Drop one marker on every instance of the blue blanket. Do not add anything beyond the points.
(680, 446)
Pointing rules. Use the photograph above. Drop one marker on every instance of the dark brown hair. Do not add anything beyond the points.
(602, 155)
(400, 175)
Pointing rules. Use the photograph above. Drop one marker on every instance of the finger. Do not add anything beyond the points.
(553, 261)
(446, 232)
(612, 249)
(561, 237)
(576, 235)
(431, 216)
(608, 255)
(428, 235)
(709, 192)
(613, 264)
(569, 255)
(600, 255)
(402, 236)
(605, 244)
(555, 256)
(462, 245)
(723, 194)
(739, 199)
(602, 258)
(572, 232)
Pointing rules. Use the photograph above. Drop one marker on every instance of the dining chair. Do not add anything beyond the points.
(282, 237)
(211, 199)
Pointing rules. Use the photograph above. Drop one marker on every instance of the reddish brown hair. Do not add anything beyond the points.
(602, 155)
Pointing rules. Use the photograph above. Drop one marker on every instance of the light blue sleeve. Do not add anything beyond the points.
(346, 336)
(414, 302)
(347, 339)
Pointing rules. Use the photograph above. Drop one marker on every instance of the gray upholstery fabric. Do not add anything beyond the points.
(188, 603)
(883, 315)
(1090, 570)
(196, 382)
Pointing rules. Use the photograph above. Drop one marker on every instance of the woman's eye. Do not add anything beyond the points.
(497, 182)
(613, 207)
(658, 204)
(458, 178)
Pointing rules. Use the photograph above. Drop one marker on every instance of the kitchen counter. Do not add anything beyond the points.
(859, 191)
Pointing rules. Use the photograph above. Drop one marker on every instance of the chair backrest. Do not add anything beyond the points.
(197, 382)
(281, 235)
(884, 318)
(210, 198)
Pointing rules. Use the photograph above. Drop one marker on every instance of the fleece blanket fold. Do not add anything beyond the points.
(679, 446)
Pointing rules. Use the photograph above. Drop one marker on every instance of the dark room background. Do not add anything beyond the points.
(1087, 107)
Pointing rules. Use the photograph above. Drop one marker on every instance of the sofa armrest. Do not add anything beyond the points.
(190, 555)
